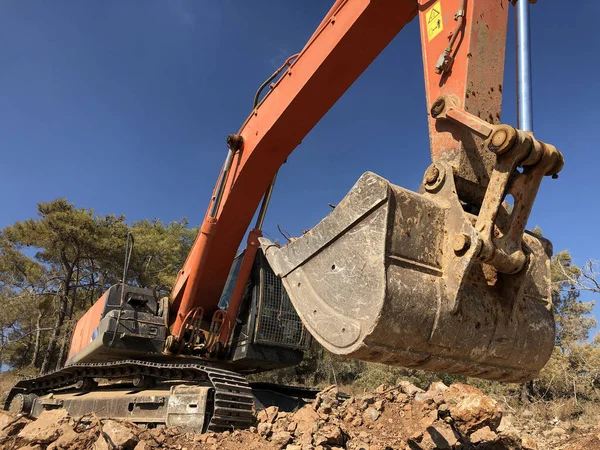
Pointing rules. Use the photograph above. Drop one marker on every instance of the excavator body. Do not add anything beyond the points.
(446, 279)
(269, 335)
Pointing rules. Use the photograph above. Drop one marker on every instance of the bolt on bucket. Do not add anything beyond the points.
(393, 276)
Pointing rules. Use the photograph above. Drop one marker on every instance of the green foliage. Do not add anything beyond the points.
(538, 231)
(571, 374)
(573, 318)
(160, 251)
(53, 268)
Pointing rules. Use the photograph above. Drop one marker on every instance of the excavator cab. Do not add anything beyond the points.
(268, 333)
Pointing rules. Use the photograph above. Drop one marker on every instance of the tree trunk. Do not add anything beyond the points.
(74, 296)
(60, 319)
(65, 344)
(92, 291)
(36, 345)
(68, 325)
(527, 392)
(1, 347)
(93, 284)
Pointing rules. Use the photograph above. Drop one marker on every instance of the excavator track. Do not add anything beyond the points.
(233, 399)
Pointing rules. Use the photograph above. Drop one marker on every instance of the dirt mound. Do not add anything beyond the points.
(400, 417)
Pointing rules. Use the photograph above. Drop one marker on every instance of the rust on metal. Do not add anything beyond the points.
(461, 243)
(433, 178)
(432, 174)
(503, 139)
(474, 80)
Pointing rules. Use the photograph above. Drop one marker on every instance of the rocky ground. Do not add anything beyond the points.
(399, 417)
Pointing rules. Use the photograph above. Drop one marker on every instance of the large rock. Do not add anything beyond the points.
(529, 443)
(326, 400)
(306, 419)
(409, 388)
(329, 435)
(101, 444)
(381, 389)
(5, 419)
(119, 435)
(471, 409)
(46, 428)
(13, 428)
(437, 386)
(143, 445)
(70, 439)
(371, 414)
(401, 397)
(281, 439)
(505, 425)
(264, 428)
(439, 435)
(483, 435)
(417, 417)
(435, 393)
(281, 424)
(268, 415)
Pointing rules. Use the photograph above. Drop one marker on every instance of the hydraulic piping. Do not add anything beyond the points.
(287, 63)
(445, 61)
(524, 84)
(128, 252)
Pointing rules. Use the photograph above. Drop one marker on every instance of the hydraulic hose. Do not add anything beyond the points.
(287, 63)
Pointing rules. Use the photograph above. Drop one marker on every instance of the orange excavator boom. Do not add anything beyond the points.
(346, 42)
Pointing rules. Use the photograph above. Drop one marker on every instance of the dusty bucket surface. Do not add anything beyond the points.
(380, 279)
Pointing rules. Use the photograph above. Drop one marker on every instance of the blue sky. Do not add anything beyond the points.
(124, 106)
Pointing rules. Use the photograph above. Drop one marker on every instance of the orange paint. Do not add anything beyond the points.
(341, 49)
(474, 82)
(351, 36)
(82, 334)
(240, 285)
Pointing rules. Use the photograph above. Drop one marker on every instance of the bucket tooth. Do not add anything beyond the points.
(380, 279)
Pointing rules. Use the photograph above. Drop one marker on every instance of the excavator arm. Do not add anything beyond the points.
(350, 37)
(347, 41)
(476, 161)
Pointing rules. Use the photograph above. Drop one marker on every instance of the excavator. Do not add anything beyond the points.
(446, 279)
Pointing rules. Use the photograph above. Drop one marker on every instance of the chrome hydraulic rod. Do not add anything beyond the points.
(264, 205)
(524, 84)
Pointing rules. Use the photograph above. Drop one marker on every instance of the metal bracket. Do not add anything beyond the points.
(500, 226)
(49, 403)
(463, 242)
(444, 63)
(150, 400)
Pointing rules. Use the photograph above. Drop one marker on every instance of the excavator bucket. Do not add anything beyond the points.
(395, 277)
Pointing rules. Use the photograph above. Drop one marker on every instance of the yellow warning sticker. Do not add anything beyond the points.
(434, 20)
